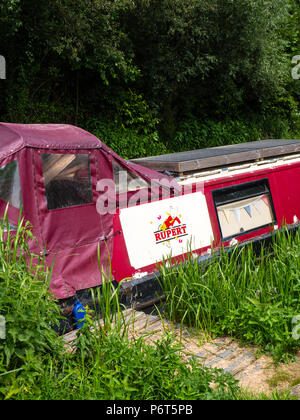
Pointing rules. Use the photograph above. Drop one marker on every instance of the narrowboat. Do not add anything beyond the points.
(90, 207)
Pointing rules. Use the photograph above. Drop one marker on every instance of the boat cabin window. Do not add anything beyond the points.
(244, 208)
(67, 180)
(10, 187)
(127, 181)
(7, 226)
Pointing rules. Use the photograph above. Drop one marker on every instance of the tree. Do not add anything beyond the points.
(72, 59)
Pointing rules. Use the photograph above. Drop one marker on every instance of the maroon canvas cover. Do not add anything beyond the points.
(68, 237)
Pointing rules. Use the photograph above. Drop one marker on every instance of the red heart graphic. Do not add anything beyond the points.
(159, 217)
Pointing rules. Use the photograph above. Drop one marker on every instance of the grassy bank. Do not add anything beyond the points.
(250, 298)
(104, 363)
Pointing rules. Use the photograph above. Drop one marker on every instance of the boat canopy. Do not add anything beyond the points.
(50, 173)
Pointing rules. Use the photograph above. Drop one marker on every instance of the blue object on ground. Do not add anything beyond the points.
(79, 314)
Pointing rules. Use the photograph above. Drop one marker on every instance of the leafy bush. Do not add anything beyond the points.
(115, 368)
(196, 134)
(127, 142)
(140, 135)
(118, 59)
(267, 325)
(134, 370)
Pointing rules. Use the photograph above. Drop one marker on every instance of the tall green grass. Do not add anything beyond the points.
(251, 297)
(24, 302)
(104, 362)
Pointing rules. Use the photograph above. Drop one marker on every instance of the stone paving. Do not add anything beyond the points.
(252, 371)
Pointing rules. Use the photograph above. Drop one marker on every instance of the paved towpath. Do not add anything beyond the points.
(255, 373)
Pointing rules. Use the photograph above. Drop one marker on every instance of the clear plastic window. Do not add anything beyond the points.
(244, 208)
(127, 181)
(67, 180)
(11, 226)
(10, 187)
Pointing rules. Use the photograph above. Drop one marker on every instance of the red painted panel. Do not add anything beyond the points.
(284, 184)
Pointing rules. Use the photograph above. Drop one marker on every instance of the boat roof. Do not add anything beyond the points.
(195, 160)
(14, 137)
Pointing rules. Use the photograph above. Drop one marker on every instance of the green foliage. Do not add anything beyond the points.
(104, 363)
(133, 133)
(92, 38)
(24, 301)
(127, 142)
(211, 56)
(130, 141)
(170, 40)
(267, 325)
(236, 295)
(134, 113)
(136, 63)
(196, 134)
(132, 370)
(128, 372)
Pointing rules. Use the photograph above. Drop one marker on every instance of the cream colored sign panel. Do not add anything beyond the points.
(157, 230)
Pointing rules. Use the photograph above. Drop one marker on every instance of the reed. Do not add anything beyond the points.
(250, 296)
(106, 364)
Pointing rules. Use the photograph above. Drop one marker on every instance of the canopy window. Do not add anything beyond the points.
(6, 225)
(244, 208)
(10, 187)
(67, 180)
(127, 181)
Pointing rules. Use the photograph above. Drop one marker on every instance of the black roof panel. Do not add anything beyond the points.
(220, 156)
